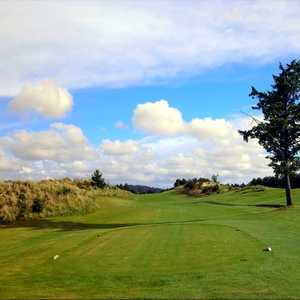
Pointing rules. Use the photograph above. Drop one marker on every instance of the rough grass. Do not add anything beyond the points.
(25, 199)
(163, 246)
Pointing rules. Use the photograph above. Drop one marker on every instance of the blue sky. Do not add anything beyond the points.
(145, 92)
(217, 93)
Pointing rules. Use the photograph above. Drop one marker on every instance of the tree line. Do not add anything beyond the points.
(276, 182)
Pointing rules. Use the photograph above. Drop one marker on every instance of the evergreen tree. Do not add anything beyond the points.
(98, 180)
(279, 132)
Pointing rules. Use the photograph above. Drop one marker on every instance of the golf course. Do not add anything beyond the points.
(165, 246)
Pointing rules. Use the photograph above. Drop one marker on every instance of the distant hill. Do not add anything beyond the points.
(140, 189)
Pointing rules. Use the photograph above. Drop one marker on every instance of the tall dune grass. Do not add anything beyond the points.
(28, 199)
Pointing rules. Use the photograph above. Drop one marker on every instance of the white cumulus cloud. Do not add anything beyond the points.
(8, 164)
(158, 118)
(119, 148)
(209, 128)
(45, 98)
(62, 142)
(196, 148)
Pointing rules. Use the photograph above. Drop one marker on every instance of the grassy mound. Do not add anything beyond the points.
(25, 199)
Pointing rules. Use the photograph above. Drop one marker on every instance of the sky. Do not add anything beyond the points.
(147, 92)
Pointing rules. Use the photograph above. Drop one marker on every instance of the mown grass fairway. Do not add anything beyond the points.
(159, 246)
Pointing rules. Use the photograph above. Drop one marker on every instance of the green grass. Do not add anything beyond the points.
(159, 246)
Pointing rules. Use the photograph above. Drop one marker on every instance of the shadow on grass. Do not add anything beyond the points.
(72, 226)
(239, 204)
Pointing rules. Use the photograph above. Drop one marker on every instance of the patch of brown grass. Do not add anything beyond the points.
(28, 199)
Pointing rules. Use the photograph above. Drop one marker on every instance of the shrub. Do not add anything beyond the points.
(210, 189)
(201, 186)
(180, 182)
(64, 191)
(214, 178)
(195, 182)
(37, 206)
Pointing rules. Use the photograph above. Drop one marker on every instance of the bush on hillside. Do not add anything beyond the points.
(37, 206)
(201, 186)
(195, 182)
(180, 182)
